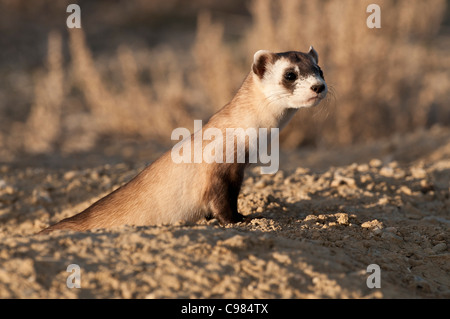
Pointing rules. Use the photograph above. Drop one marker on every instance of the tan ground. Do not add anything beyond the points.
(315, 231)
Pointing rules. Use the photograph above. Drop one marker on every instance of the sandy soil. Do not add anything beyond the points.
(315, 230)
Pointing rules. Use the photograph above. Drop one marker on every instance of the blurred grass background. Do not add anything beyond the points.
(138, 69)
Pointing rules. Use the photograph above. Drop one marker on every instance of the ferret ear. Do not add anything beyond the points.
(260, 61)
(313, 54)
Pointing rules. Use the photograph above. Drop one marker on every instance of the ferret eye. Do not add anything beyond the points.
(290, 76)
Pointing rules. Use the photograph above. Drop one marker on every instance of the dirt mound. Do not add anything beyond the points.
(314, 232)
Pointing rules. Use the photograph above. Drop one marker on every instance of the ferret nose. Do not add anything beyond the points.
(318, 87)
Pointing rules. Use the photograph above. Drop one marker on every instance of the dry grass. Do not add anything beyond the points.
(47, 108)
(384, 81)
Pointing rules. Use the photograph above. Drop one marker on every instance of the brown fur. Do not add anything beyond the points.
(166, 192)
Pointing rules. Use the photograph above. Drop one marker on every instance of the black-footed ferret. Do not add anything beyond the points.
(166, 192)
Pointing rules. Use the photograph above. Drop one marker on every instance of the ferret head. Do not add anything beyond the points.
(290, 79)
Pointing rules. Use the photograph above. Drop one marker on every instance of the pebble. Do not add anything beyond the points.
(279, 176)
(342, 219)
(94, 175)
(387, 171)
(383, 201)
(282, 258)
(362, 168)
(418, 172)
(301, 171)
(375, 163)
(439, 248)
(366, 178)
(393, 164)
(260, 184)
(374, 225)
(69, 175)
(339, 180)
(405, 190)
(391, 236)
(316, 280)
(9, 190)
(5, 188)
(310, 217)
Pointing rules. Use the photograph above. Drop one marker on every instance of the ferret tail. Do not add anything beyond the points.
(72, 223)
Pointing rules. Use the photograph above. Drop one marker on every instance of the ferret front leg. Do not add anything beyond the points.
(224, 212)
(223, 205)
